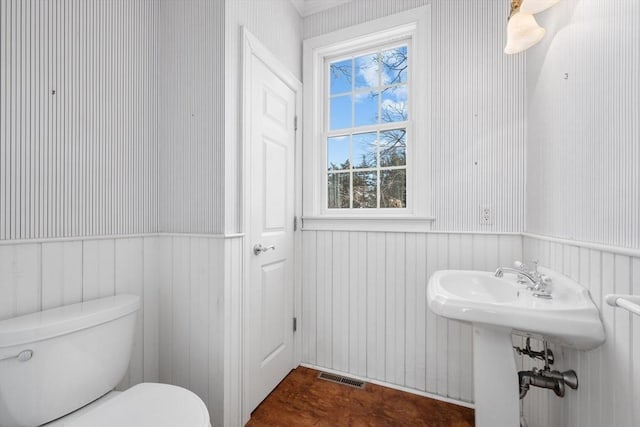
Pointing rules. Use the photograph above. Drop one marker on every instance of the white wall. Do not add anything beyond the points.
(278, 26)
(609, 376)
(583, 184)
(477, 105)
(38, 275)
(191, 115)
(77, 118)
(199, 306)
(364, 307)
(583, 180)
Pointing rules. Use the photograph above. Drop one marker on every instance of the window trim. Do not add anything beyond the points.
(413, 24)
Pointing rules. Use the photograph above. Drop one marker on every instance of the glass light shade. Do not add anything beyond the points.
(522, 32)
(536, 6)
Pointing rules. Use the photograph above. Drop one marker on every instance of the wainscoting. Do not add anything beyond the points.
(364, 308)
(188, 330)
(609, 389)
(36, 276)
(199, 299)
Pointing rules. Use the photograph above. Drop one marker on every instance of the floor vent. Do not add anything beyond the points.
(351, 382)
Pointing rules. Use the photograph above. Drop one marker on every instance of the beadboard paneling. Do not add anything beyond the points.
(364, 308)
(191, 115)
(609, 376)
(478, 108)
(277, 24)
(583, 91)
(77, 118)
(38, 276)
(199, 326)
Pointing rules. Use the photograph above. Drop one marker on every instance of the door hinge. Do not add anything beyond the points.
(295, 123)
(295, 223)
(295, 324)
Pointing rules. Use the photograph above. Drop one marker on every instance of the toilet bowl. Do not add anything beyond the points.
(143, 405)
(59, 368)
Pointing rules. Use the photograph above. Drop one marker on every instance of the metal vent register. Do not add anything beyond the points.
(351, 382)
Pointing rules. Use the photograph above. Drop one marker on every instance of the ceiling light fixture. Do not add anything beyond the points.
(522, 30)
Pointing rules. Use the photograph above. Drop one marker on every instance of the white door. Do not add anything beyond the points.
(271, 154)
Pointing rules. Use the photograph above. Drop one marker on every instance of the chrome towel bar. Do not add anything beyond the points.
(628, 302)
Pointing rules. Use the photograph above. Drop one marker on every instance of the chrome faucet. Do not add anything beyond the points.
(522, 274)
(537, 282)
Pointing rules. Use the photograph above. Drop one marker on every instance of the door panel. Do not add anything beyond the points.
(275, 180)
(271, 203)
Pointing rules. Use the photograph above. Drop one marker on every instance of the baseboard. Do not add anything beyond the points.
(393, 386)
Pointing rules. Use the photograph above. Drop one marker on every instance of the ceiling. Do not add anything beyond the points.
(309, 7)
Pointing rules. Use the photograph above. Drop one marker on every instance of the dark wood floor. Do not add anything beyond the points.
(301, 399)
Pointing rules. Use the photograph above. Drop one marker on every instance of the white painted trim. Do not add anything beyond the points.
(251, 46)
(479, 233)
(374, 223)
(201, 235)
(414, 24)
(118, 236)
(309, 7)
(396, 229)
(632, 252)
(393, 386)
(75, 239)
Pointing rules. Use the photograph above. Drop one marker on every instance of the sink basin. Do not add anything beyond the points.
(498, 307)
(570, 318)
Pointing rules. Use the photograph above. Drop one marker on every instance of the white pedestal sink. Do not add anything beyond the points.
(497, 307)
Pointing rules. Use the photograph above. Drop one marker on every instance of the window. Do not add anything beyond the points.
(366, 141)
(366, 121)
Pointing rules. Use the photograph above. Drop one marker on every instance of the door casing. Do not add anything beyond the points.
(251, 46)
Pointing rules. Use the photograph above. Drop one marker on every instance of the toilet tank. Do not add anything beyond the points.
(56, 361)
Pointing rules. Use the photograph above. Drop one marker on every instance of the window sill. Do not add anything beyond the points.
(367, 223)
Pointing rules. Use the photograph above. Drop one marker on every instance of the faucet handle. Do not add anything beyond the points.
(519, 265)
(534, 263)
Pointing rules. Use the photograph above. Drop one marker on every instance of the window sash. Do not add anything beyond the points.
(357, 52)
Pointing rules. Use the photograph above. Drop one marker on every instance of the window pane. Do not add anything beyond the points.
(340, 77)
(365, 190)
(340, 112)
(366, 109)
(338, 153)
(393, 188)
(394, 66)
(394, 104)
(364, 150)
(338, 187)
(393, 147)
(366, 71)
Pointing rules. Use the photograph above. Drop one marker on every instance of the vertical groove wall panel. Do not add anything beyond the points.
(39, 276)
(77, 121)
(583, 91)
(609, 375)
(191, 116)
(478, 108)
(388, 333)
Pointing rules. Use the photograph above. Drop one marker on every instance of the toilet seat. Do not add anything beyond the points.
(147, 405)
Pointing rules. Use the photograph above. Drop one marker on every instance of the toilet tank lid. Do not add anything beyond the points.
(66, 319)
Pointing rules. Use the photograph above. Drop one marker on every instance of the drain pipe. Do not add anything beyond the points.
(545, 378)
(553, 380)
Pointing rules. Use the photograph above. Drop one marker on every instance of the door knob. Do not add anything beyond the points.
(258, 248)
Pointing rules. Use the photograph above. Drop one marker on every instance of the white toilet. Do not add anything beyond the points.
(60, 367)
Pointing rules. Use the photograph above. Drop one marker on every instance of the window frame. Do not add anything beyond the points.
(413, 28)
(355, 130)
